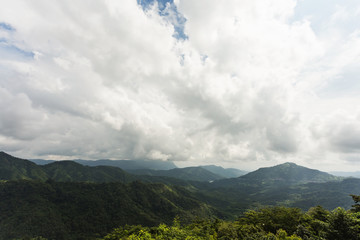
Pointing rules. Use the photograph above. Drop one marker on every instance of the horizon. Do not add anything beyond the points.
(208, 83)
(177, 166)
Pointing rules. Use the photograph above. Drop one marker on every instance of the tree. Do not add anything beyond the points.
(271, 219)
(342, 225)
(356, 206)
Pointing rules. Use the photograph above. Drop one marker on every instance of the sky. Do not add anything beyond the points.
(242, 84)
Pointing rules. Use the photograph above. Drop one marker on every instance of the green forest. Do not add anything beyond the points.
(269, 223)
(67, 200)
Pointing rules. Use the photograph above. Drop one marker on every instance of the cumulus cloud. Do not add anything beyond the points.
(238, 83)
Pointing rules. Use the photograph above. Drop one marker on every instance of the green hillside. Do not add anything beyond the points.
(87, 201)
(86, 210)
(12, 168)
(65, 171)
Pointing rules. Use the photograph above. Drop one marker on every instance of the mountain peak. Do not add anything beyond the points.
(289, 164)
(288, 173)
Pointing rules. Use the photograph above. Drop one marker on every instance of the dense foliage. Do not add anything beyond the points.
(67, 200)
(72, 210)
(269, 223)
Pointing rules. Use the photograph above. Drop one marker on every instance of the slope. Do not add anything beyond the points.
(70, 210)
(12, 168)
(65, 171)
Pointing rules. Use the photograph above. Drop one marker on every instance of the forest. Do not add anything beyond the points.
(269, 223)
(68, 200)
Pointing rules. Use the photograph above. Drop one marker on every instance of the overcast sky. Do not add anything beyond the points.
(240, 84)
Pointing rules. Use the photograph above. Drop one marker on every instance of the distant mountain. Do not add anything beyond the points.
(65, 171)
(346, 174)
(123, 164)
(188, 173)
(287, 174)
(224, 172)
(12, 168)
(131, 164)
(285, 184)
(41, 161)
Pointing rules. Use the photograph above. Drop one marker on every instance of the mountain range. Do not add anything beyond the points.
(90, 200)
(123, 164)
(12, 168)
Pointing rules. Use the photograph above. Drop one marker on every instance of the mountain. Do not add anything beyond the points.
(224, 172)
(288, 174)
(123, 164)
(64, 171)
(330, 195)
(70, 202)
(70, 210)
(41, 161)
(187, 174)
(131, 164)
(12, 168)
(284, 184)
(347, 174)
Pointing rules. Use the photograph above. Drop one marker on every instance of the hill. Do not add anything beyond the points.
(12, 168)
(65, 171)
(187, 174)
(224, 172)
(284, 184)
(70, 210)
(131, 164)
(123, 164)
(288, 174)
(285, 174)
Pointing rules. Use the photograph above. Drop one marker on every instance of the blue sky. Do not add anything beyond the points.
(242, 84)
(167, 8)
(8, 49)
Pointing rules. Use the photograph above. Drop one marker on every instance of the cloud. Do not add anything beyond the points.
(199, 82)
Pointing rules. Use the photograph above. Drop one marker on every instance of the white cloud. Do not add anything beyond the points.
(250, 86)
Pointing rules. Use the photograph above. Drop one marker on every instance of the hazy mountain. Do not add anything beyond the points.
(123, 164)
(131, 164)
(224, 172)
(188, 173)
(41, 161)
(288, 173)
(12, 168)
(346, 174)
